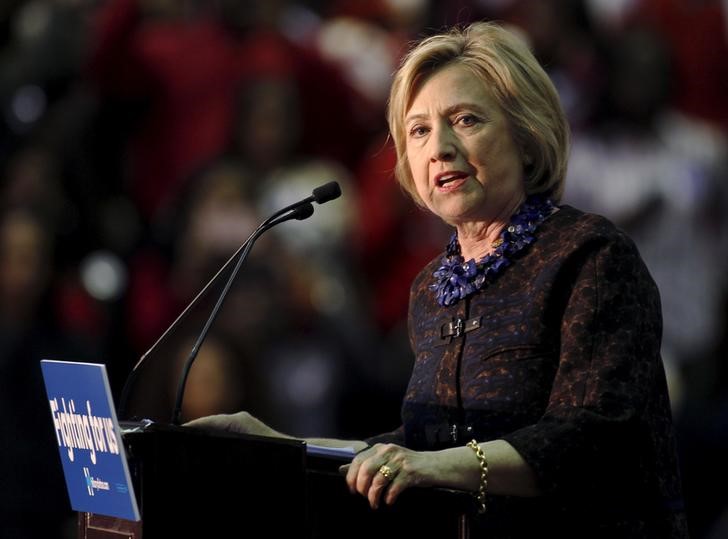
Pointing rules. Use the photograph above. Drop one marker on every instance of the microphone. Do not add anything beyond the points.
(320, 195)
(326, 192)
(301, 210)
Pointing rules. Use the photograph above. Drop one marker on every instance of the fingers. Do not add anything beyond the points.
(374, 494)
(351, 474)
(362, 469)
(367, 474)
(394, 490)
(374, 473)
(382, 481)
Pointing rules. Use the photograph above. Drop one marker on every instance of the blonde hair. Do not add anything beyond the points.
(520, 86)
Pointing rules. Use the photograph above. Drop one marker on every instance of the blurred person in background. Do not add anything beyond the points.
(696, 34)
(179, 66)
(33, 500)
(215, 383)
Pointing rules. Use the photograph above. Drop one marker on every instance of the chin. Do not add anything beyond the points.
(456, 214)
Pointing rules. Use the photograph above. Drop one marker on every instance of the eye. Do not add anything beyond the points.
(418, 131)
(467, 120)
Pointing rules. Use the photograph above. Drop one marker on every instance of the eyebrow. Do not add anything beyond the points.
(457, 107)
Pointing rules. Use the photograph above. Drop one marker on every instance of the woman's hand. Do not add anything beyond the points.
(384, 471)
(241, 422)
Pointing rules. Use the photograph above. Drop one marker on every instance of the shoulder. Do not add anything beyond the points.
(582, 226)
(571, 232)
(591, 245)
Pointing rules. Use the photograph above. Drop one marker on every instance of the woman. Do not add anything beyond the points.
(537, 382)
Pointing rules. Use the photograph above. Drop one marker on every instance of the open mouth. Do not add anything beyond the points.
(448, 178)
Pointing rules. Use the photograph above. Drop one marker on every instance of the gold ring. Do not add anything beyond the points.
(387, 472)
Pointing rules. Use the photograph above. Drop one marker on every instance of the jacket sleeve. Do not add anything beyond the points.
(592, 435)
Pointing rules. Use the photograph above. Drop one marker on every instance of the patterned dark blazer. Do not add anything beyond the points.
(560, 356)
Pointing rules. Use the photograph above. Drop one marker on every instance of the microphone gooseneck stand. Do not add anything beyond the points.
(300, 210)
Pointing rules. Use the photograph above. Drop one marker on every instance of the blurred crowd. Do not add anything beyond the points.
(141, 142)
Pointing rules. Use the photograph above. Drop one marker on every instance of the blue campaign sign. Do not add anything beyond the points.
(89, 439)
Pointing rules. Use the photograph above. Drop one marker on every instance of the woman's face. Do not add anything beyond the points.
(465, 164)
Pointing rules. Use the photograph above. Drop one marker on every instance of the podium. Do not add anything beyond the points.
(194, 483)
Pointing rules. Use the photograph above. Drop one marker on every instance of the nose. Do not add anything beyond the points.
(444, 147)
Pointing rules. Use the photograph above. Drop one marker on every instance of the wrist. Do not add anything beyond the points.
(481, 492)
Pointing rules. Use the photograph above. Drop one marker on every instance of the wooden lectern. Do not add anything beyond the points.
(193, 483)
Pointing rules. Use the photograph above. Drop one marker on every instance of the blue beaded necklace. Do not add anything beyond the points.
(456, 279)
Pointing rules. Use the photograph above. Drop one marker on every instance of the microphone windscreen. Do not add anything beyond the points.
(326, 192)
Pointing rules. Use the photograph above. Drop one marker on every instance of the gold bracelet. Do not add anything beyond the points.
(480, 496)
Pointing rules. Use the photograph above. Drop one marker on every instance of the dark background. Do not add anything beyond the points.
(142, 140)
